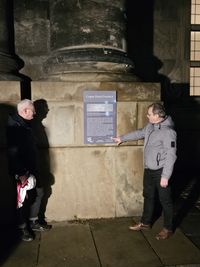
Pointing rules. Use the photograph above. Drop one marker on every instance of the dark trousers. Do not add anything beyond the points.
(151, 186)
(35, 207)
(31, 207)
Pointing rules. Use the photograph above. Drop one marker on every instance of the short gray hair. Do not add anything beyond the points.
(158, 108)
(24, 104)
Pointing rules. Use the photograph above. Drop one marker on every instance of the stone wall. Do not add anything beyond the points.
(93, 181)
(81, 181)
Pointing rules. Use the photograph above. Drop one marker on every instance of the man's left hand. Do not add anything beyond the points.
(164, 182)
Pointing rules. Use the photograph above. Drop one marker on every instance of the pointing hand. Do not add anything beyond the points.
(117, 140)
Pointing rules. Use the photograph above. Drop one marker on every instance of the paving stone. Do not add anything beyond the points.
(176, 250)
(118, 247)
(71, 245)
(23, 254)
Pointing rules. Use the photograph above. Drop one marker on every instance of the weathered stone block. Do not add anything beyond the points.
(68, 91)
(95, 182)
(59, 124)
(10, 91)
(84, 183)
(126, 117)
(128, 180)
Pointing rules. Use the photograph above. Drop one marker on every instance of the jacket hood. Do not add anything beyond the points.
(167, 122)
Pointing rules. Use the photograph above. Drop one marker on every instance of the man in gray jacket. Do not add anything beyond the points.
(159, 158)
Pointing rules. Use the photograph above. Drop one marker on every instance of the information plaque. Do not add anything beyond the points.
(99, 117)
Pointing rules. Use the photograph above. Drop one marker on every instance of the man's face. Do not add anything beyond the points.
(28, 112)
(153, 118)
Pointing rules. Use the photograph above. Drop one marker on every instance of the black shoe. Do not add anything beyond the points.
(44, 224)
(25, 235)
(36, 226)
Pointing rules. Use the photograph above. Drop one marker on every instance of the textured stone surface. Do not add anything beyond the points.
(102, 24)
(9, 91)
(76, 248)
(95, 182)
(101, 180)
(64, 123)
(73, 91)
(157, 39)
(128, 172)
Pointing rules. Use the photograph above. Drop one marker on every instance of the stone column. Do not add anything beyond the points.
(9, 62)
(87, 36)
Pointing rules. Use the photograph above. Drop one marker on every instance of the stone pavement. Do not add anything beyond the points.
(190, 226)
(99, 243)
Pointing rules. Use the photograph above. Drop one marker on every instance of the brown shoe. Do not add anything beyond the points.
(164, 234)
(139, 226)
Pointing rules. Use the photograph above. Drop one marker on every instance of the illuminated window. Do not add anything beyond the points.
(195, 12)
(195, 48)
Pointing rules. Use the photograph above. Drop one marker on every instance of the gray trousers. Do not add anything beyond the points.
(35, 206)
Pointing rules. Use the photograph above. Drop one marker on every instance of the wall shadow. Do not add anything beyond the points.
(8, 231)
(46, 178)
(183, 108)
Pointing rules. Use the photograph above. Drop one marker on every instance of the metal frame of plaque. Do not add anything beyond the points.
(99, 117)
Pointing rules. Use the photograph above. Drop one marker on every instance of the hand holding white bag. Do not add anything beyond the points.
(21, 189)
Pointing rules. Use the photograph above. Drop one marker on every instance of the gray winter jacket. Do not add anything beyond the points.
(159, 145)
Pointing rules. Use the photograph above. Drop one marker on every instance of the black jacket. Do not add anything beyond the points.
(22, 149)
